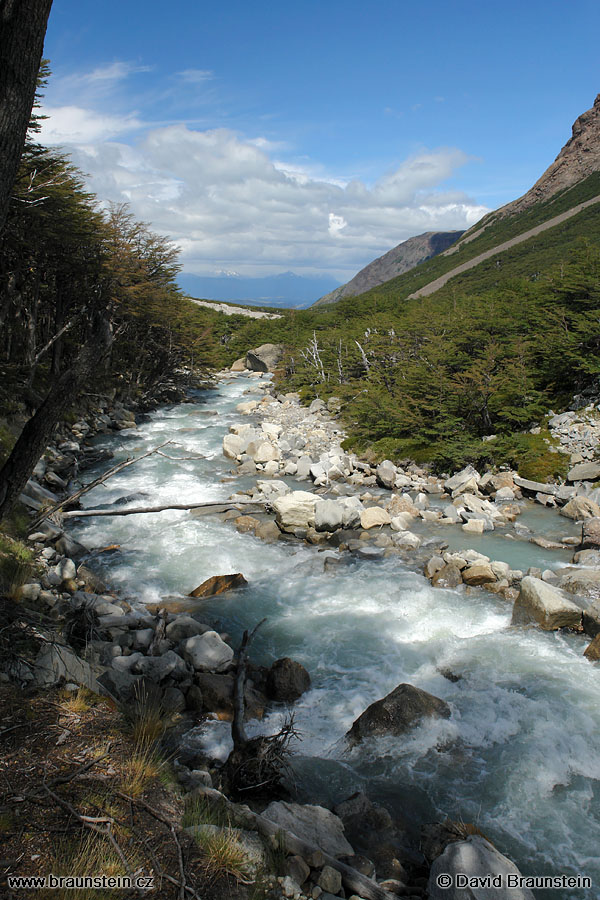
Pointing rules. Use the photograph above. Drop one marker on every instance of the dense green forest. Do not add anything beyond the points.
(435, 378)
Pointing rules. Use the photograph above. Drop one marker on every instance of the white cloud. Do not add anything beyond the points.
(248, 203)
(74, 125)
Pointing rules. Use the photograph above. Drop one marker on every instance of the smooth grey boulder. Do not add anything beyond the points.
(585, 471)
(397, 713)
(590, 537)
(386, 473)
(476, 859)
(329, 515)
(56, 663)
(313, 824)
(184, 627)
(207, 652)
(535, 487)
(157, 668)
(264, 358)
(462, 478)
(545, 605)
(580, 508)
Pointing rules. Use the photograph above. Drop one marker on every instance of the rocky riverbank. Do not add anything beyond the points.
(350, 509)
(371, 510)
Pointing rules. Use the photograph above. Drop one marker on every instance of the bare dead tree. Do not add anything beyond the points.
(312, 356)
(363, 355)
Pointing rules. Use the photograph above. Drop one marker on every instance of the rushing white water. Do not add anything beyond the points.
(520, 755)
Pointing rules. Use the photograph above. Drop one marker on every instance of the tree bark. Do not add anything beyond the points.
(37, 432)
(22, 31)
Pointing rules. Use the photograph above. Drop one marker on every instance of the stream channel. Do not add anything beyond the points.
(520, 756)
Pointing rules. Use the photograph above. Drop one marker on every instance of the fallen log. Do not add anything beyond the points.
(295, 846)
(138, 510)
(73, 498)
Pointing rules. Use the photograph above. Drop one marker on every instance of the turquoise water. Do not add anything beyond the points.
(520, 754)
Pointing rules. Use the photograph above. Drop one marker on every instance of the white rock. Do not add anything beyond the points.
(374, 516)
(207, 652)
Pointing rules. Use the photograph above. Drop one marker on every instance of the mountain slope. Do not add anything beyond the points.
(395, 262)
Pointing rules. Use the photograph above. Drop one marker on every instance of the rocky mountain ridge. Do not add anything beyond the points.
(395, 262)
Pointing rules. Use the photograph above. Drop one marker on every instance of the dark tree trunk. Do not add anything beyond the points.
(22, 31)
(37, 432)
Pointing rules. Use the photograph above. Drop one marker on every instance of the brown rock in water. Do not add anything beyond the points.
(479, 573)
(592, 651)
(397, 713)
(218, 584)
(91, 583)
(245, 524)
(287, 680)
(448, 577)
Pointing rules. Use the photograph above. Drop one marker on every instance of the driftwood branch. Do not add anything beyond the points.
(73, 498)
(238, 732)
(138, 510)
(352, 880)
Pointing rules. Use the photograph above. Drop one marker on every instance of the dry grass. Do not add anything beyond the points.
(146, 718)
(143, 766)
(221, 854)
(90, 855)
(79, 702)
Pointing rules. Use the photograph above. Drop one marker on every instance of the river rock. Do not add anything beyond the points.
(585, 471)
(585, 582)
(157, 668)
(402, 504)
(591, 619)
(218, 695)
(580, 508)
(397, 713)
(287, 680)
(535, 487)
(592, 651)
(239, 365)
(474, 526)
(296, 510)
(247, 524)
(207, 652)
(406, 540)
(329, 515)
(232, 446)
(374, 516)
(386, 474)
(448, 577)
(432, 566)
(59, 663)
(544, 604)
(184, 627)
(587, 558)
(330, 880)
(313, 824)
(481, 573)
(590, 537)
(461, 479)
(218, 584)
(247, 407)
(264, 358)
(474, 858)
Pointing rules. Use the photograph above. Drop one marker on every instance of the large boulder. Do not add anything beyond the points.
(329, 515)
(207, 652)
(57, 663)
(590, 538)
(544, 604)
(397, 713)
(296, 510)
(535, 487)
(580, 508)
(584, 582)
(585, 471)
(459, 481)
(386, 474)
(264, 358)
(287, 680)
(218, 584)
(465, 871)
(232, 446)
(479, 573)
(374, 516)
(313, 824)
(184, 627)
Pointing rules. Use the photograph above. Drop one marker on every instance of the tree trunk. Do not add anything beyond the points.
(37, 432)
(22, 31)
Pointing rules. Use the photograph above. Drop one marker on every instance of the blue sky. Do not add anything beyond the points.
(314, 136)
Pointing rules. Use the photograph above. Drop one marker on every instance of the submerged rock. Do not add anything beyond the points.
(218, 584)
(397, 713)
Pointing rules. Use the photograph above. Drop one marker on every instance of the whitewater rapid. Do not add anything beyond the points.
(520, 755)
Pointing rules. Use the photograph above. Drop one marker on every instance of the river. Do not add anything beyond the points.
(520, 756)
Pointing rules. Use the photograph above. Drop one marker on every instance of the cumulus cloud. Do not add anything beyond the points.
(231, 201)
